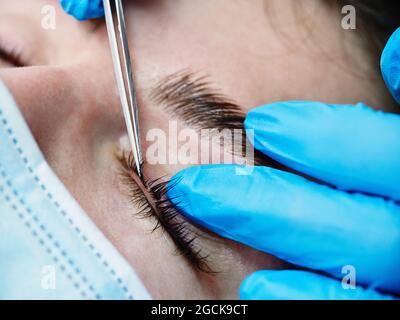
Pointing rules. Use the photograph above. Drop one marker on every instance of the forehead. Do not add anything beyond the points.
(248, 55)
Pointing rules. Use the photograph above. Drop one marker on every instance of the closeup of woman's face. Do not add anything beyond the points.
(248, 52)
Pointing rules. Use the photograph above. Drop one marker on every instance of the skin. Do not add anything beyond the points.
(254, 52)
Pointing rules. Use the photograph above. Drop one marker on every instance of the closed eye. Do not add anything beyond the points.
(150, 197)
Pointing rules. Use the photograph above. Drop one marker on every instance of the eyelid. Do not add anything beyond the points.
(11, 54)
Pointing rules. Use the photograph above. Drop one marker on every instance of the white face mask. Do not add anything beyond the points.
(49, 248)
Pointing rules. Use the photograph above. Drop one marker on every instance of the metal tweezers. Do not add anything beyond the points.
(121, 56)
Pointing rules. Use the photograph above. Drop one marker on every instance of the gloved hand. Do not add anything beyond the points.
(83, 9)
(353, 227)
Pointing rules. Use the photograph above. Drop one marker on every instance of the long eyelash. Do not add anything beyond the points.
(167, 216)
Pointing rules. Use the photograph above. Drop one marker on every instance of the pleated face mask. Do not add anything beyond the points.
(49, 248)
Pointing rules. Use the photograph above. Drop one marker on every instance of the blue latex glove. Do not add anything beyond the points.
(83, 9)
(311, 225)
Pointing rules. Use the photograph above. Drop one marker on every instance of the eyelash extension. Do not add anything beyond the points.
(168, 217)
(11, 55)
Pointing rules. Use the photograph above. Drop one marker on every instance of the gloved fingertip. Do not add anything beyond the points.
(260, 121)
(180, 187)
(83, 9)
(390, 64)
(207, 195)
(256, 287)
(270, 114)
(263, 114)
(193, 179)
(179, 184)
(276, 113)
(268, 126)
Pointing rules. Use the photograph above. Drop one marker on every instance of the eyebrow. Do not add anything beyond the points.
(193, 99)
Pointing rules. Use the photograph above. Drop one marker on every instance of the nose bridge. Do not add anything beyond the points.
(45, 96)
(58, 98)
(95, 87)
